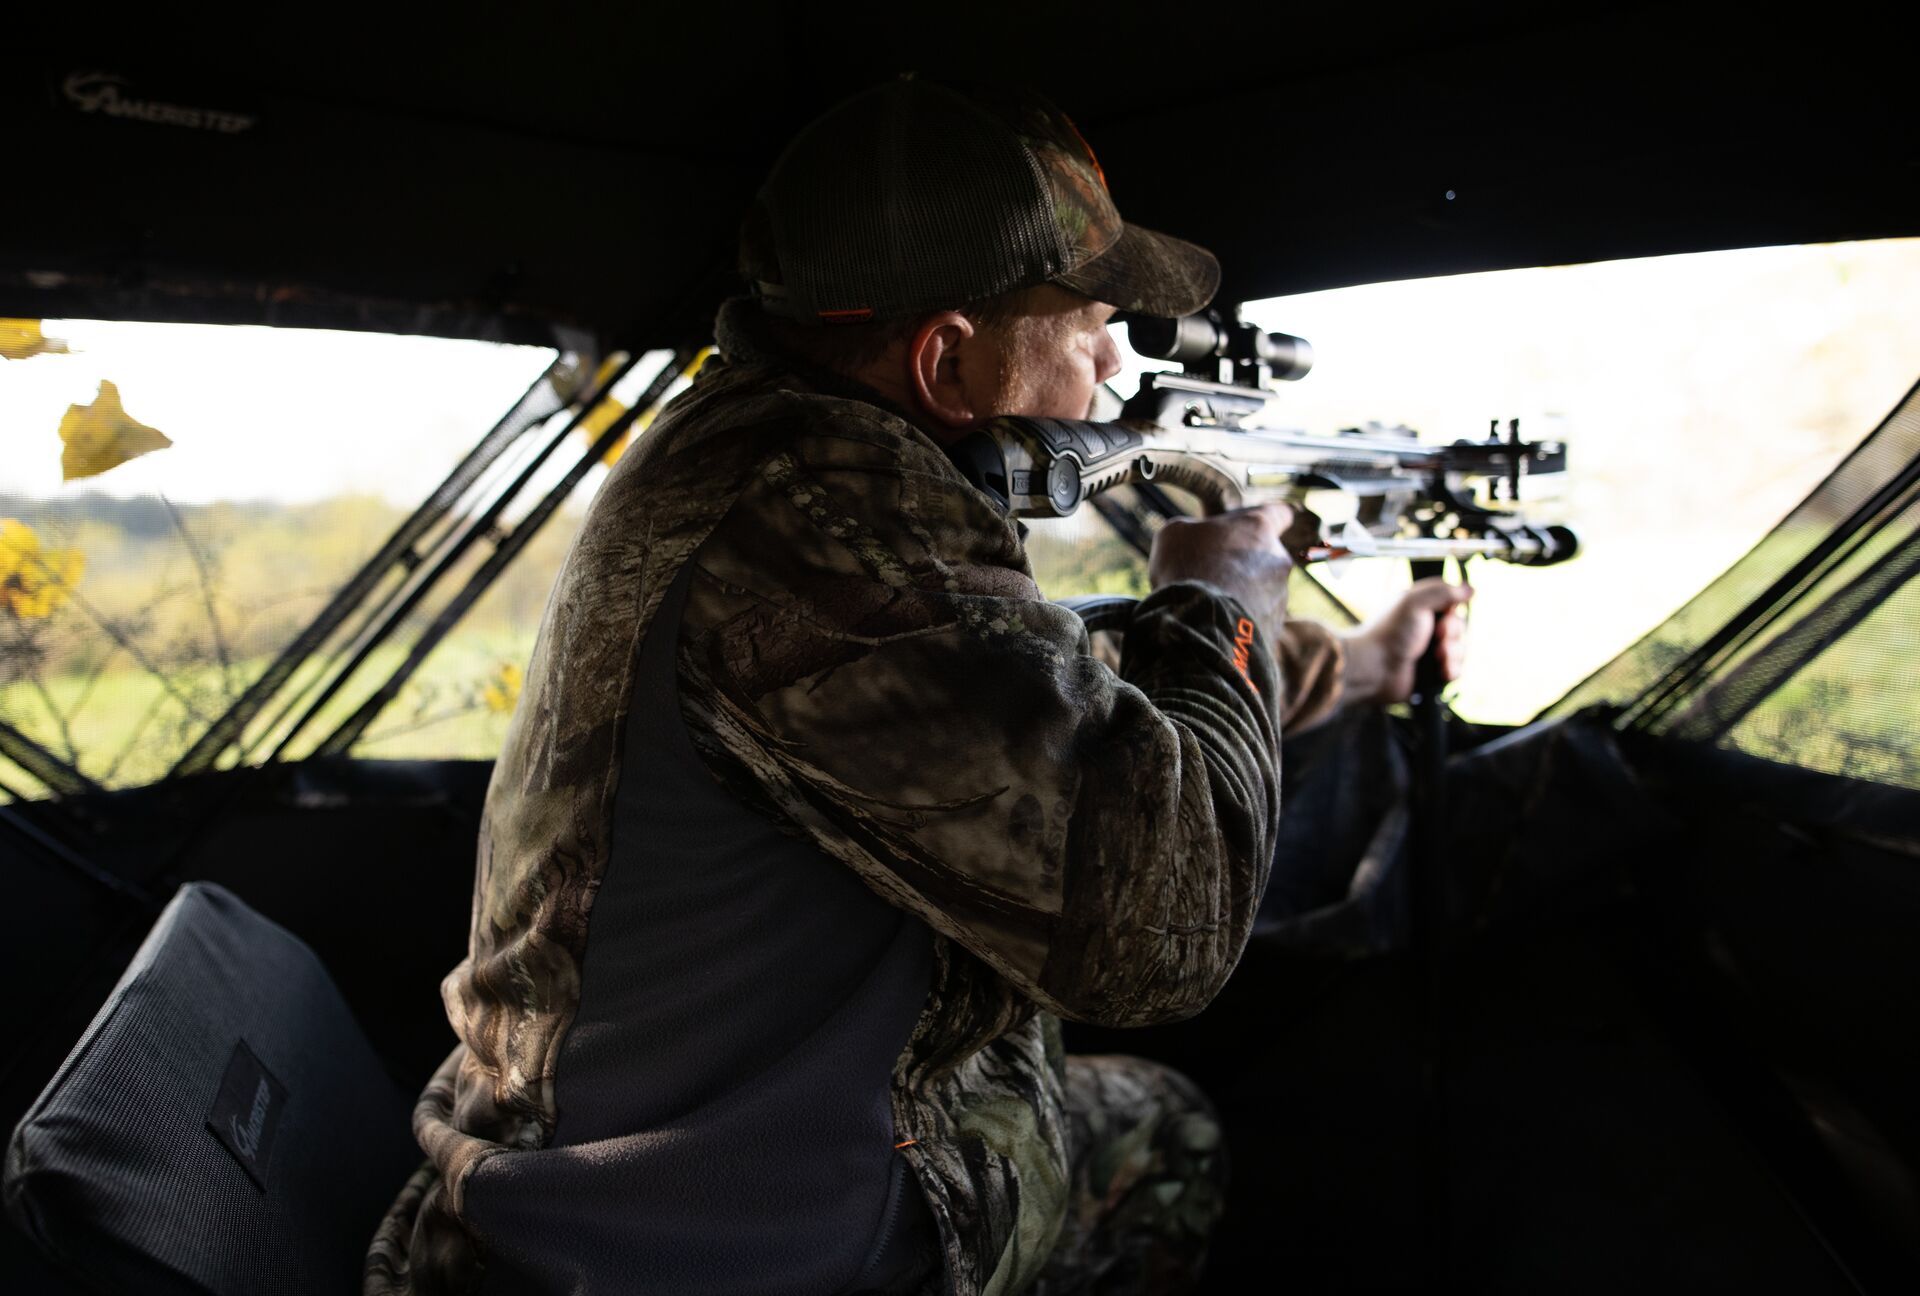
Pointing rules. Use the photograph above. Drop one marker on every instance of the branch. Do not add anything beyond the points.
(114, 633)
(99, 668)
(32, 676)
(397, 730)
(206, 597)
(133, 737)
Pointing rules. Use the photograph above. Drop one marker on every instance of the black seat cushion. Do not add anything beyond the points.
(222, 1126)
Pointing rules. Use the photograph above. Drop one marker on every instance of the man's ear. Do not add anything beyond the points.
(934, 372)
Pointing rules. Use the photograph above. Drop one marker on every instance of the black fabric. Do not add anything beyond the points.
(116, 1170)
(1606, 1123)
(725, 1120)
(1340, 884)
(1343, 824)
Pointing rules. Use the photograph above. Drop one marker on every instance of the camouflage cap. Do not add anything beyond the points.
(912, 197)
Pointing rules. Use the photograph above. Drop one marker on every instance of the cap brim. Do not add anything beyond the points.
(1148, 273)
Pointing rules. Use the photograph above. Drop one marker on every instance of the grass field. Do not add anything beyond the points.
(179, 610)
(1535, 634)
(126, 727)
(123, 724)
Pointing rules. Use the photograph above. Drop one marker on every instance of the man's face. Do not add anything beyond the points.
(1055, 355)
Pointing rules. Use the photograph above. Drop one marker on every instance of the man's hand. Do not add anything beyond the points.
(1381, 654)
(1238, 551)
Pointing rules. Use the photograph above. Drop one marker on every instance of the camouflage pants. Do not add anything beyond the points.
(1148, 1179)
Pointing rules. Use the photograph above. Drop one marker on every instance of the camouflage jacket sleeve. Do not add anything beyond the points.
(866, 656)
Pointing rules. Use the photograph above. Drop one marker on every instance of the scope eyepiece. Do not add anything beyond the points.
(1194, 339)
(1191, 337)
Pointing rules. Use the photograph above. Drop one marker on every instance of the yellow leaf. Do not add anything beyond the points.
(38, 605)
(34, 581)
(21, 339)
(501, 692)
(16, 541)
(102, 436)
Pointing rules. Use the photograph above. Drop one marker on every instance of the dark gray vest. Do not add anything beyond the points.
(723, 1092)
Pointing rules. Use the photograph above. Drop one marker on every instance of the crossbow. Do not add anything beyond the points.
(1202, 431)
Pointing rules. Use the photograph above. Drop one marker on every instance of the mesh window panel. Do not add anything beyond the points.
(158, 607)
(1799, 652)
(1082, 555)
(1851, 711)
(161, 617)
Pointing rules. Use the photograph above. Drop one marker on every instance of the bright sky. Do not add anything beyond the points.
(1701, 396)
(263, 413)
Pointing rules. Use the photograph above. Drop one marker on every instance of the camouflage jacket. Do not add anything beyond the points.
(1081, 844)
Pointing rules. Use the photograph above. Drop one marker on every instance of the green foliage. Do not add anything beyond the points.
(182, 607)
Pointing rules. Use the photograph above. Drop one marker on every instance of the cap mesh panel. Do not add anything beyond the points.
(910, 205)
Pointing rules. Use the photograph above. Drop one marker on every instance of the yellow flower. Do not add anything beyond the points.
(34, 581)
(102, 436)
(502, 690)
(21, 339)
